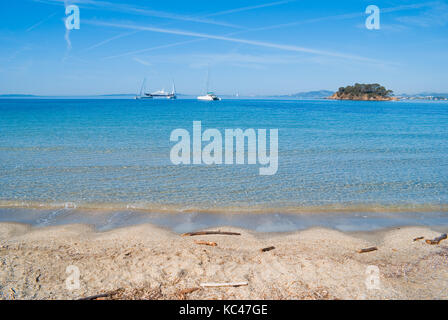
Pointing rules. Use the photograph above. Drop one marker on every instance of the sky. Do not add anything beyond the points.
(250, 47)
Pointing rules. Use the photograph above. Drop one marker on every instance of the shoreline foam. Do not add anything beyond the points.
(233, 209)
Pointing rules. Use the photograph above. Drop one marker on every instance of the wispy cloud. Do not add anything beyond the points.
(435, 15)
(67, 39)
(270, 4)
(231, 39)
(67, 35)
(343, 16)
(141, 61)
(283, 25)
(226, 12)
(126, 8)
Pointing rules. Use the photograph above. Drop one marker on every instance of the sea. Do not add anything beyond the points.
(348, 165)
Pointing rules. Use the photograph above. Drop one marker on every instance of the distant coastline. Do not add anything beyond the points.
(307, 95)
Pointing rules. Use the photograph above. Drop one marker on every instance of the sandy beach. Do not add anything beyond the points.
(148, 262)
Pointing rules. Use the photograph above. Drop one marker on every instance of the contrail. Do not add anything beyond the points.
(141, 11)
(230, 39)
(110, 39)
(154, 48)
(40, 22)
(249, 8)
(342, 16)
(209, 15)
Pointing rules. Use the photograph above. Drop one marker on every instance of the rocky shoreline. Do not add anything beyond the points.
(364, 97)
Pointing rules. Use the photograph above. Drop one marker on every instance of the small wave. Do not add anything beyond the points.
(235, 209)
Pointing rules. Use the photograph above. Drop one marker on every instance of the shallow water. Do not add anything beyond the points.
(187, 222)
(334, 157)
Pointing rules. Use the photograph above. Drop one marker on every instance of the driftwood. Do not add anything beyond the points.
(226, 284)
(101, 295)
(203, 233)
(267, 249)
(206, 243)
(368, 250)
(184, 292)
(419, 238)
(437, 240)
(12, 293)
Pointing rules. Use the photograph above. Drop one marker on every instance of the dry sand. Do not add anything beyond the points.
(147, 262)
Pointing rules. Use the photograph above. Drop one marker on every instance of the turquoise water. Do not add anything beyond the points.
(334, 156)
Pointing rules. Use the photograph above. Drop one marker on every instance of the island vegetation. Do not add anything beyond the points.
(374, 91)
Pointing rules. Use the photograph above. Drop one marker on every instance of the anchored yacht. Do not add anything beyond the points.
(209, 96)
(157, 94)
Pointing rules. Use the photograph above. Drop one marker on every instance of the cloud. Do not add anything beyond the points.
(283, 25)
(344, 16)
(434, 16)
(249, 8)
(143, 62)
(125, 8)
(209, 15)
(67, 39)
(231, 39)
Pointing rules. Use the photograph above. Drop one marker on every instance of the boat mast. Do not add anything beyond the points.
(208, 80)
(143, 84)
(174, 88)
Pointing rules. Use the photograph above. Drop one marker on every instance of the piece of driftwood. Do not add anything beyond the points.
(12, 293)
(101, 295)
(206, 243)
(203, 233)
(267, 249)
(368, 250)
(184, 292)
(419, 238)
(225, 284)
(437, 240)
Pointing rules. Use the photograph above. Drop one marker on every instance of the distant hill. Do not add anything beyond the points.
(313, 94)
(424, 94)
(16, 95)
(117, 95)
(320, 94)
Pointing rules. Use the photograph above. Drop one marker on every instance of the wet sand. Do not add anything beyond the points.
(149, 262)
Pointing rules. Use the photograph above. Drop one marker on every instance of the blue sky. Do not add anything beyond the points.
(251, 47)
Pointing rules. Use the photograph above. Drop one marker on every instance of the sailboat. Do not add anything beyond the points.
(157, 94)
(143, 95)
(209, 96)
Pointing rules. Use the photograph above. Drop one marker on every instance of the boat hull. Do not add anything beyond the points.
(209, 98)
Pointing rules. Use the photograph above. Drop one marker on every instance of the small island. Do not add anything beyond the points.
(364, 92)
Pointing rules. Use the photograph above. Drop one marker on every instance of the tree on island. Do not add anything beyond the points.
(372, 91)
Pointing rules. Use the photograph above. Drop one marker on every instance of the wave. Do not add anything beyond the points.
(233, 209)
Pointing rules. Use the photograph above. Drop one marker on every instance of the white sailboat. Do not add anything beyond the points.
(209, 96)
(143, 95)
